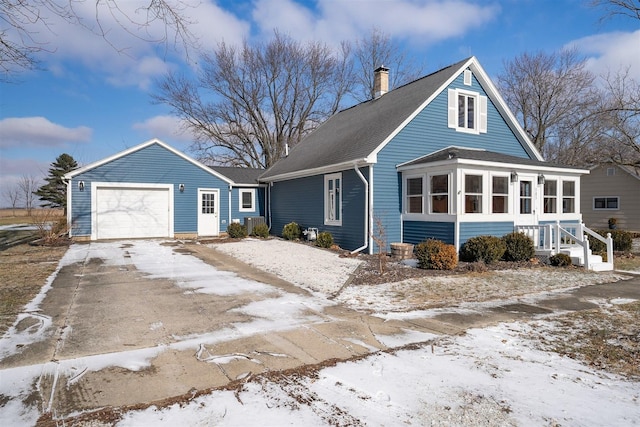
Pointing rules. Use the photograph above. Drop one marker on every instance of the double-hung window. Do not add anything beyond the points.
(247, 200)
(333, 199)
(415, 196)
(439, 193)
(568, 196)
(550, 196)
(499, 194)
(473, 193)
(467, 111)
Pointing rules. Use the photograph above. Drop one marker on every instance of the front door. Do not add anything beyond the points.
(208, 216)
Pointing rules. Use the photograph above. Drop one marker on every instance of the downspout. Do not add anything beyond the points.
(230, 191)
(67, 182)
(268, 202)
(366, 210)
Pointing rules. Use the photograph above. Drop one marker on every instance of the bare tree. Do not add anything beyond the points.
(375, 50)
(629, 8)
(250, 103)
(12, 194)
(22, 21)
(549, 93)
(28, 185)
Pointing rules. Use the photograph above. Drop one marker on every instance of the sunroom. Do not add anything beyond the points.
(458, 193)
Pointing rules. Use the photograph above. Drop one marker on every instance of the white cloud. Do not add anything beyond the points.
(164, 127)
(39, 132)
(610, 52)
(423, 22)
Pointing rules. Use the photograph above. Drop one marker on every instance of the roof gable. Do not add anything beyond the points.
(239, 176)
(357, 134)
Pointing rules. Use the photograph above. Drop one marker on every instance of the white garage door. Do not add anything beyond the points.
(131, 212)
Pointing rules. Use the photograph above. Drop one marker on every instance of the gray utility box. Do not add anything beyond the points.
(251, 221)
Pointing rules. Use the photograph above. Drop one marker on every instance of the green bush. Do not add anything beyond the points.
(519, 247)
(436, 255)
(324, 239)
(236, 230)
(622, 241)
(560, 260)
(483, 248)
(260, 230)
(291, 231)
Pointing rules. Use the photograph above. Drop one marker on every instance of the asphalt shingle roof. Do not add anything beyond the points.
(246, 176)
(354, 133)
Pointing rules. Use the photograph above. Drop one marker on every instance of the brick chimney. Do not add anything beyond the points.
(380, 81)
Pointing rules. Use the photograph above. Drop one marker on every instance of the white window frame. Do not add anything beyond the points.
(407, 195)
(243, 191)
(480, 111)
(480, 194)
(551, 198)
(330, 197)
(593, 205)
(430, 194)
(574, 197)
(492, 194)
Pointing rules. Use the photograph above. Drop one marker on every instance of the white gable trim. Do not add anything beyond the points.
(140, 147)
(492, 93)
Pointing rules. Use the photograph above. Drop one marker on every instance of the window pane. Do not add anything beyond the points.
(568, 188)
(473, 204)
(473, 183)
(598, 203)
(414, 186)
(525, 197)
(440, 204)
(470, 113)
(461, 111)
(246, 200)
(550, 188)
(568, 205)
(415, 204)
(499, 204)
(525, 188)
(612, 203)
(500, 185)
(440, 184)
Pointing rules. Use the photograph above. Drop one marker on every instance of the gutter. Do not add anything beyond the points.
(366, 210)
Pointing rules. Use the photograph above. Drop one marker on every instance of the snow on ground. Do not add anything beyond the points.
(489, 377)
(319, 271)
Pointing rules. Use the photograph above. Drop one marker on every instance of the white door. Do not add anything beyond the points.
(123, 212)
(526, 204)
(208, 208)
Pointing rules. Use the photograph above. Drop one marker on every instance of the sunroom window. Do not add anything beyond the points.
(499, 194)
(568, 196)
(550, 196)
(439, 193)
(473, 193)
(415, 197)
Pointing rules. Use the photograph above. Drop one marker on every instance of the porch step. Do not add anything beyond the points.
(601, 266)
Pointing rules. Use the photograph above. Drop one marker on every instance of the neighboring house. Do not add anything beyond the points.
(153, 190)
(441, 157)
(611, 191)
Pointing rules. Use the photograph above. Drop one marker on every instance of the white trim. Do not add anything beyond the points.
(337, 197)
(94, 199)
(216, 208)
(338, 167)
(140, 147)
(251, 191)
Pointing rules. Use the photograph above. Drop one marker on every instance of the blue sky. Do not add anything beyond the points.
(91, 101)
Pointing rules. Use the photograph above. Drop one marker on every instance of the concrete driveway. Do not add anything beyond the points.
(130, 323)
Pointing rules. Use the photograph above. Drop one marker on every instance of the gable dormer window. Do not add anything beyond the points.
(467, 111)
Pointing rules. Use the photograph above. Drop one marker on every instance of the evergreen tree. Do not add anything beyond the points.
(55, 190)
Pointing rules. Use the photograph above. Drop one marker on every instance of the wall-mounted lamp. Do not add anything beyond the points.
(181, 187)
(540, 179)
(514, 176)
(81, 185)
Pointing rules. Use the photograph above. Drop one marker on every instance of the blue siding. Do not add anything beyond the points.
(473, 229)
(302, 201)
(235, 204)
(153, 165)
(426, 133)
(419, 231)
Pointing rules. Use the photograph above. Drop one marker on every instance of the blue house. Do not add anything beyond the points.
(441, 157)
(153, 190)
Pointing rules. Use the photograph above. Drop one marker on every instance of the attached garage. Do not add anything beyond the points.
(132, 210)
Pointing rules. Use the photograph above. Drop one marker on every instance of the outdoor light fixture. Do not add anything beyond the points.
(181, 187)
(540, 179)
(514, 176)
(81, 185)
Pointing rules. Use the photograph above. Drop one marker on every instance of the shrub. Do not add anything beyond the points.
(560, 260)
(483, 248)
(236, 230)
(260, 230)
(519, 247)
(622, 241)
(324, 240)
(436, 255)
(291, 231)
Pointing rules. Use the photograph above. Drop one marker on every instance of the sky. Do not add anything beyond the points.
(91, 97)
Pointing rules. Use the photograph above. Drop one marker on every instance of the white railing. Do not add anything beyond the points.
(552, 238)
